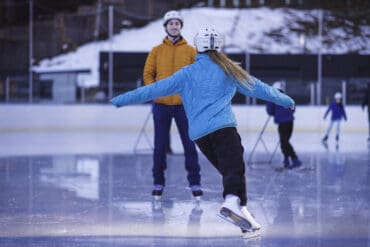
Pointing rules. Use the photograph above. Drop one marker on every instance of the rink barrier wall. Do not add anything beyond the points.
(29, 117)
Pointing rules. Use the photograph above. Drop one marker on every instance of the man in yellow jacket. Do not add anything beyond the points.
(162, 61)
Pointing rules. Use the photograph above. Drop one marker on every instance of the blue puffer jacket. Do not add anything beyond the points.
(280, 114)
(206, 93)
(337, 111)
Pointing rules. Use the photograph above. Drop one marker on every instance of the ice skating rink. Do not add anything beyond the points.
(90, 189)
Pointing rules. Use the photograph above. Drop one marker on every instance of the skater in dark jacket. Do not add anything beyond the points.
(337, 114)
(207, 87)
(284, 118)
(366, 102)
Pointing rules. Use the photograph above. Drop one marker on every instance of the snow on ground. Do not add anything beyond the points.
(257, 30)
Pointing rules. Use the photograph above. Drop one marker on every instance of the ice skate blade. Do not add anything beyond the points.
(235, 219)
(252, 234)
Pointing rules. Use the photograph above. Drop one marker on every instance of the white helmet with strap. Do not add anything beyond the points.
(172, 14)
(208, 39)
(337, 95)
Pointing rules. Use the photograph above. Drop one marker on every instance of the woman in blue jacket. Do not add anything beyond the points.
(284, 118)
(337, 113)
(206, 88)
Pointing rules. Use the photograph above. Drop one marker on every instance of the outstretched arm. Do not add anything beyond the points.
(263, 91)
(165, 87)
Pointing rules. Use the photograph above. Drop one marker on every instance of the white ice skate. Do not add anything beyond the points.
(250, 218)
(256, 227)
(231, 212)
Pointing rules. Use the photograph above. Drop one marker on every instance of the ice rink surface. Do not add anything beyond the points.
(90, 189)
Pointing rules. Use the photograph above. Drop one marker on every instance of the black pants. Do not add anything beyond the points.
(224, 150)
(285, 132)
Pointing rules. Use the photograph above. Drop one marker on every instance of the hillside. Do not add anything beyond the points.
(256, 30)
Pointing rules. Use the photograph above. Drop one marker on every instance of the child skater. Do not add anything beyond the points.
(206, 88)
(337, 113)
(284, 118)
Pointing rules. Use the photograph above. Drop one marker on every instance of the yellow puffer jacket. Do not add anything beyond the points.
(164, 60)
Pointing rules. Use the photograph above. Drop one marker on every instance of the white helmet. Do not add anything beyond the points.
(279, 85)
(208, 39)
(172, 14)
(337, 95)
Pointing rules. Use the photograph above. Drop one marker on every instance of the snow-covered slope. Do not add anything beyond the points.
(258, 30)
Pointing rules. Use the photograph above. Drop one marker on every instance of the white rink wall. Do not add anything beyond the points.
(90, 117)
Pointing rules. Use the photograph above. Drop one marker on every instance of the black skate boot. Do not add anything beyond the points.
(157, 192)
(286, 164)
(295, 163)
(197, 192)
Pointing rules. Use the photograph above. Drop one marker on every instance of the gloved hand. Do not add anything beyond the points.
(114, 101)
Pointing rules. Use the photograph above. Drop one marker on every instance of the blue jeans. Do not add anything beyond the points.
(162, 116)
(337, 124)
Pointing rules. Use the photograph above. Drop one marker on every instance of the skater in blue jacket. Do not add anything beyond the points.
(284, 118)
(337, 113)
(206, 88)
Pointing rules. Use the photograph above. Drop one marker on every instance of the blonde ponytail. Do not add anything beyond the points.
(231, 68)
